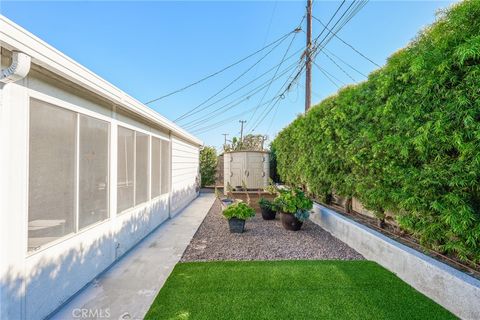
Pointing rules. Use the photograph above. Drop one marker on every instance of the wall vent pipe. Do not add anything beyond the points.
(18, 69)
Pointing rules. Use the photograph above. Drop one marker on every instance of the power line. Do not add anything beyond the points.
(345, 63)
(346, 43)
(281, 62)
(331, 18)
(235, 102)
(347, 15)
(221, 70)
(192, 111)
(323, 71)
(281, 96)
(242, 87)
(227, 120)
(339, 67)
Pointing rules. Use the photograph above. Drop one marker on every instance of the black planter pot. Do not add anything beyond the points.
(268, 214)
(289, 222)
(236, 225)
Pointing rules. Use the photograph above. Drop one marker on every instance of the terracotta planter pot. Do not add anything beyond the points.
(289, 222)
(268, 214)
(236, 225)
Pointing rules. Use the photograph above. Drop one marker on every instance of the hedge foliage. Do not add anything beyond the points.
(407, 140)
(208, 165)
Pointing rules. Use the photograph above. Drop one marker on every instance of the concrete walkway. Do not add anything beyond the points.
(128, 288)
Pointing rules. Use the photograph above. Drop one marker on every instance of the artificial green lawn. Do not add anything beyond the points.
(289, 290)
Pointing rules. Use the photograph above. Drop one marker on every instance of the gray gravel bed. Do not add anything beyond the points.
(263, 240)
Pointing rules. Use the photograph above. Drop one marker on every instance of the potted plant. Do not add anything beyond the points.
(294, 208)
(236, 214)
(267, 208)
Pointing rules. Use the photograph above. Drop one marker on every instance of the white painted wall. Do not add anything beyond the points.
(34, 284)
(185, 173)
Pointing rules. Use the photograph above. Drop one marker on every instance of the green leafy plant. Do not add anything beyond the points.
(239, 210)
(406, 141)
(208, 165)
(265, 204)
(302, 215)
(291, 201)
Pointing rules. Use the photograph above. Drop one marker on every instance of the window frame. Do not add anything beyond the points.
(113, 124)
(41, 97)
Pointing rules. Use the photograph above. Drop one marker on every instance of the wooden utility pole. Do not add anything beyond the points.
(225, 140)
(241, 130)
(308, 60)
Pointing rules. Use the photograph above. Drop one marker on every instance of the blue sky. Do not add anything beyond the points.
(150, 48)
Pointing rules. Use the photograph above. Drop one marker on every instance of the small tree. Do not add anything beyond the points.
(251, 142)
(208, 165)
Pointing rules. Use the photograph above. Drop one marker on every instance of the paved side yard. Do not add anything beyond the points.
(127, 290)
(263, 240)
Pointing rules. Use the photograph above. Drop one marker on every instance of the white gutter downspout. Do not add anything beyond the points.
(18, 69)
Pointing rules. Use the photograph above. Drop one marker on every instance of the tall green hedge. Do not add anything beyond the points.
(407, 140)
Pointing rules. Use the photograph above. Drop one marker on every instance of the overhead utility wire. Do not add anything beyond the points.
(359, 6)
(331, 75)
(221, 122)
(281, 62)
(269, 109)
(323, 71)
(323, 42)
(281, 96)
(227, 120)
(232, 93)
(236, 102)
(346, 43)
(351, 12)
(241, 98)
(220, 71)
(345, 63)
(339, 67)
(195, 111)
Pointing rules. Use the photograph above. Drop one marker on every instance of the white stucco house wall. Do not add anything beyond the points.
(86, 172)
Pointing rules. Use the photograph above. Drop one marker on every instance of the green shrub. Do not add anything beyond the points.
(291, 201)
(239, 210)
(265, 204)
(208, 165)
(407, 140)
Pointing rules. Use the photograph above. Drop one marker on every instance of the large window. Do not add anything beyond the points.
(156, 177)
(51, 197)
(93, 171)
(54, 181)
(69, 171)
(125, 169)
(160, 167)
(142, 143)
(165, 167)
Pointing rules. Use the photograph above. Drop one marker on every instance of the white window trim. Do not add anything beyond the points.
(112, 122)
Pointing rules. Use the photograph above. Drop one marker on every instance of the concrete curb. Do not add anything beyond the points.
(454, 290)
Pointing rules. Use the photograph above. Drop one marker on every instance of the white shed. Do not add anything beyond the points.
(249, 167)
(86, 172)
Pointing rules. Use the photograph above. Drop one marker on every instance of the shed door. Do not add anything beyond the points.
(255, 170)
(237, 169)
